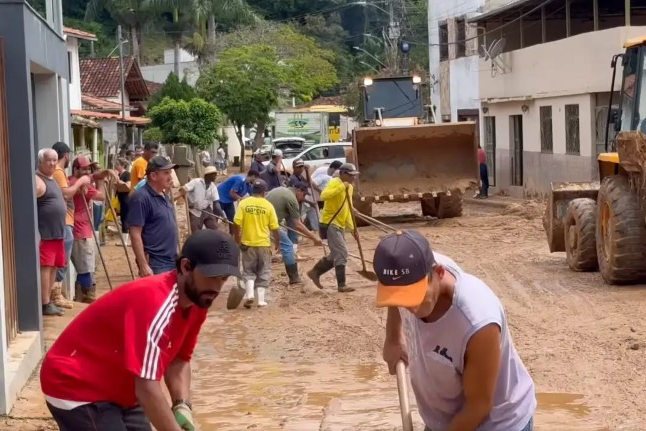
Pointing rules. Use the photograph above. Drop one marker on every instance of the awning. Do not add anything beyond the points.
(80, 121)
(136, 121)
(510, 6)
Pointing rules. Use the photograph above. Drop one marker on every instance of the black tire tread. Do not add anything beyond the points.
(581, 215)
(627, 261)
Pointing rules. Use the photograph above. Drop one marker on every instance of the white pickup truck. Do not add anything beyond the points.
(318, 155)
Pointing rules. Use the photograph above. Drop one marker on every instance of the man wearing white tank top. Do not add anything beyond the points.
(451, 330)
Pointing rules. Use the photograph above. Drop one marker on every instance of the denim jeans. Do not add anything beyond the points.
(309, 212)
(98, 215)
(229, 210)
(528, 427)
(484, 180)
(293, 236)
(286, 247)
(69, 241)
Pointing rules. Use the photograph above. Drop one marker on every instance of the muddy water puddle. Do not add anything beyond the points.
(235, 388)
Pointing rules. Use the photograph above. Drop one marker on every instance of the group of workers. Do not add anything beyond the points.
(446, 324)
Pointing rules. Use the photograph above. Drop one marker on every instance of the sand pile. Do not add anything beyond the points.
(529, 210)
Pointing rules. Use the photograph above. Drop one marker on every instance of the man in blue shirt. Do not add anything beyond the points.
(153, 228)
(234, 189)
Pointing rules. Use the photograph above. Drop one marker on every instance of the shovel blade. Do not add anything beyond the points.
(236, 294)
(368, 275)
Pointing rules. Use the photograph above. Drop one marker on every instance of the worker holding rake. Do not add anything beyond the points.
(452, 331)
(104, 371)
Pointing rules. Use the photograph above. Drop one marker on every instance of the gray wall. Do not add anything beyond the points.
(31, 45)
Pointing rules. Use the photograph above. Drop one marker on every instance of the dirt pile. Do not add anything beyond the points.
(529, 210)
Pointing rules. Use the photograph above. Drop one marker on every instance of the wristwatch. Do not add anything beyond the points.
(187, 403)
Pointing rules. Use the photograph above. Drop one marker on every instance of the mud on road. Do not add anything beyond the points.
(312, 359)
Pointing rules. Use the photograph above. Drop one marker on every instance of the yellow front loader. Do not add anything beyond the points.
(602, 225)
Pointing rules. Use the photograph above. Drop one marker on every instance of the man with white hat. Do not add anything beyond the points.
(202, 194)
(271, 174)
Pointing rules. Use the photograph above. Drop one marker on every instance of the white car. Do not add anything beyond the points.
(318, 155)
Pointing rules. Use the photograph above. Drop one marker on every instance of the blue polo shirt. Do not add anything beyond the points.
(237, 184)
(155, 214)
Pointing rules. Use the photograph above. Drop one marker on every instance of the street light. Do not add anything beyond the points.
(369, 55)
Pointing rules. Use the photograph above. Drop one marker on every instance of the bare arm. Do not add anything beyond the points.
(138, 247)
(178, 379)
(155, 406)
(482, 365)
(394, 331)
(40, 187)
(276, 236)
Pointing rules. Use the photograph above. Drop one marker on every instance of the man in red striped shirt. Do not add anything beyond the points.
(104, 371)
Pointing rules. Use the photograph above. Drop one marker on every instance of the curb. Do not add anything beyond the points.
(487, 203)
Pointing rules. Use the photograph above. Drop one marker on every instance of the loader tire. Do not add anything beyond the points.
(364, 208)
(621, 233)
(443, 206)
(580, 235)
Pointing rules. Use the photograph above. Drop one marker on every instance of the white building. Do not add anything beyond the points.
(453, 55)
(188, 68)
(544, 97)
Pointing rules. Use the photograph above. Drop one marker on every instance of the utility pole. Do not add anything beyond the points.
(123, 81)
(393, 37)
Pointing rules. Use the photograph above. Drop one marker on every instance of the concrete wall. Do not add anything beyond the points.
(32, 45)
(555, 68)
(159, 72)
(539, 168)
(457, 78)
(75, 73)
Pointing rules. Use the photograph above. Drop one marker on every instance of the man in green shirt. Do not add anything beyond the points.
(286, 202)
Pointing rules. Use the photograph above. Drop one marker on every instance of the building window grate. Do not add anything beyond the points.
(460, 38)
(547, 144)
(444, 41)
(572, 133)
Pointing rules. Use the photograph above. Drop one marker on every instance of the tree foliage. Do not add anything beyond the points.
(245, 84)
(174, 89)
(309, 67)
(193, 122)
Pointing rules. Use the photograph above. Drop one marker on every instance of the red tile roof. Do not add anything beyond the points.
(153, 87)
(108, 116)
(91, 103)
(79, 34)
(100, 77)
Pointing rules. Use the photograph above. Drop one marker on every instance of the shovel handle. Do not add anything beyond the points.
(404, 404)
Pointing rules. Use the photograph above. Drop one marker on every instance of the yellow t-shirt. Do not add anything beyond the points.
(137, 171)
(333, 196)
(256, 217)
(61, 179)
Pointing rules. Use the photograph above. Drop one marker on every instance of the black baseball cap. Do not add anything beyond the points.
(160, 163)
(61, 149)
(215, 253)
(258, 186)
(403, 262)
(336, 164)
(298, 162)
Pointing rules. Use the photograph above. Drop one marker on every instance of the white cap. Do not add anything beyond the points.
(277, 152)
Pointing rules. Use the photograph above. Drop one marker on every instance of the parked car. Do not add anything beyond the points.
(289, 146)
(318, 155)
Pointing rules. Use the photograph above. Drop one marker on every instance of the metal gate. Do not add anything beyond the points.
(6, 220)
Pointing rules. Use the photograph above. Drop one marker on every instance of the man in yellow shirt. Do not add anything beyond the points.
(255, 218)
(336, 217)
(138, 170)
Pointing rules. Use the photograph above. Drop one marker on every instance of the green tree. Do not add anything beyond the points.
(193, 123)
(174, 89)
(245, 84)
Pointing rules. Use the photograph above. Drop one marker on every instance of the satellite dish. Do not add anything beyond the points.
(497, 47)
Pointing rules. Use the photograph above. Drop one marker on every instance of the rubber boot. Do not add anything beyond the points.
(321, 267)
(340, 279)
(90, 295)
(292, 273)
(78, 293)
(249, 293)
(261, 296)
(57, 297)
(126, 239)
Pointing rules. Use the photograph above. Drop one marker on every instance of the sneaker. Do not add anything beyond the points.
(52, 310)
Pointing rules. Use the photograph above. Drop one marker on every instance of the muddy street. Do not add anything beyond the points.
(312, 359)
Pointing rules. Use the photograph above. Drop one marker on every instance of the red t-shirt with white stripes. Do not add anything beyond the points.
(136, 330)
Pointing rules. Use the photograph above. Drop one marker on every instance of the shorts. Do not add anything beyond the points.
(52, 253)
(256, 265)
(83, 255)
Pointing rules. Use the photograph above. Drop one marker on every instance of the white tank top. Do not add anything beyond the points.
(436, 358)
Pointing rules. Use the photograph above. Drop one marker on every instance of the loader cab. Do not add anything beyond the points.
(632, 114)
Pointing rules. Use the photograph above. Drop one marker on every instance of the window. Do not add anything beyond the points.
(336, 152)
(460, 38)
(319, 153)
(444, 41)
(69, 65)
(547, 145)
(572, 136)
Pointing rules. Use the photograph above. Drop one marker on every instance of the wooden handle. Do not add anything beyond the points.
(404, 404)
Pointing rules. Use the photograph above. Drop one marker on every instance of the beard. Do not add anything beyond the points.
(200, 299)
(67, 163)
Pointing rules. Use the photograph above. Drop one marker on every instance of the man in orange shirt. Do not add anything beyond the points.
(64, 153)
(138, 170)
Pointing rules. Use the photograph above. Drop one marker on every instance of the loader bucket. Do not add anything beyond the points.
(561, 194)
(422, 158)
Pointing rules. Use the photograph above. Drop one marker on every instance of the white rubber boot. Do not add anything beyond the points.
(249, 293)
(261, 296)
(126, 239)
